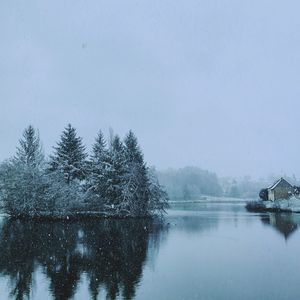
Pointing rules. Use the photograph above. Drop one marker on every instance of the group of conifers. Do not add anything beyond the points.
(113, 181)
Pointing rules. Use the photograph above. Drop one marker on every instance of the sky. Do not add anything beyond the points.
(213, 83)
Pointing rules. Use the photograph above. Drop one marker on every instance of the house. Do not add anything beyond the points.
(281, 189)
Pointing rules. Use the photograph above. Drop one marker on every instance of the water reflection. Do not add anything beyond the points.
(111, 253)
(284, 223)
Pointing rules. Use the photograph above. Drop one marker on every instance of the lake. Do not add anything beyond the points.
(207, 250)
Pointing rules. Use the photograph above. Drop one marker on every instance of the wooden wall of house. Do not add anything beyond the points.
(282, 190)
(271, 195)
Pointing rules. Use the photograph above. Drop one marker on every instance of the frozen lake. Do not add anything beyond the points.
(207, 251)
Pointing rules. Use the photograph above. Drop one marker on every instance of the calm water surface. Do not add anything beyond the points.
(206, 251)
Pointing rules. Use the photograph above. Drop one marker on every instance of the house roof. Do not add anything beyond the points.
(273, 186)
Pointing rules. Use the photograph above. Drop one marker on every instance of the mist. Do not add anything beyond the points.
(213, 84)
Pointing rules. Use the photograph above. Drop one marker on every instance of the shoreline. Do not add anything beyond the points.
(210, 200)
(76, 217)
(279, 206)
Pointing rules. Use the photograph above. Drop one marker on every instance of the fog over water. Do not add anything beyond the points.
(208, 83)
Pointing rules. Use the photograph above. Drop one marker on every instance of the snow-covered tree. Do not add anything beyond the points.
(158, 197)
(114, 172)
(30, 151)
(106, 170)
(116, 179)
(70, 156)
(63, 198)
(22, 179)
(99, 149)
(135, 190)
(97, 180)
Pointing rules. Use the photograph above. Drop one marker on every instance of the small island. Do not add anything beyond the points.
(114, 181)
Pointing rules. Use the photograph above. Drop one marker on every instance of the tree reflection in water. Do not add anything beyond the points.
(110, 252)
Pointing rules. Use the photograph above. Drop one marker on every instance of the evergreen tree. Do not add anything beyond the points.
(99, 149)
(30, 151)
(114, 173)
(117, 180)
(135, 181)
(133, 151)
(22, 180)
(97, 179)
(158, 197)
(69, 157)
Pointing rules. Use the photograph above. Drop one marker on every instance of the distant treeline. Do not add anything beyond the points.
(190, 183)
(113, 181)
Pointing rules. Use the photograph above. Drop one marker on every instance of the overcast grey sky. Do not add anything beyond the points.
(208, 83)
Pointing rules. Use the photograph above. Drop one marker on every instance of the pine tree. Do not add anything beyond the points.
(135, 181)
(133, 151)
(22, 180)
(97, 179)
(30, 151)
(99, 148)
(115, 171)
(69, 156)
(158, 197)
(117, 179)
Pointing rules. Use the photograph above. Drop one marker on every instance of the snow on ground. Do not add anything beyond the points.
(292, 204)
